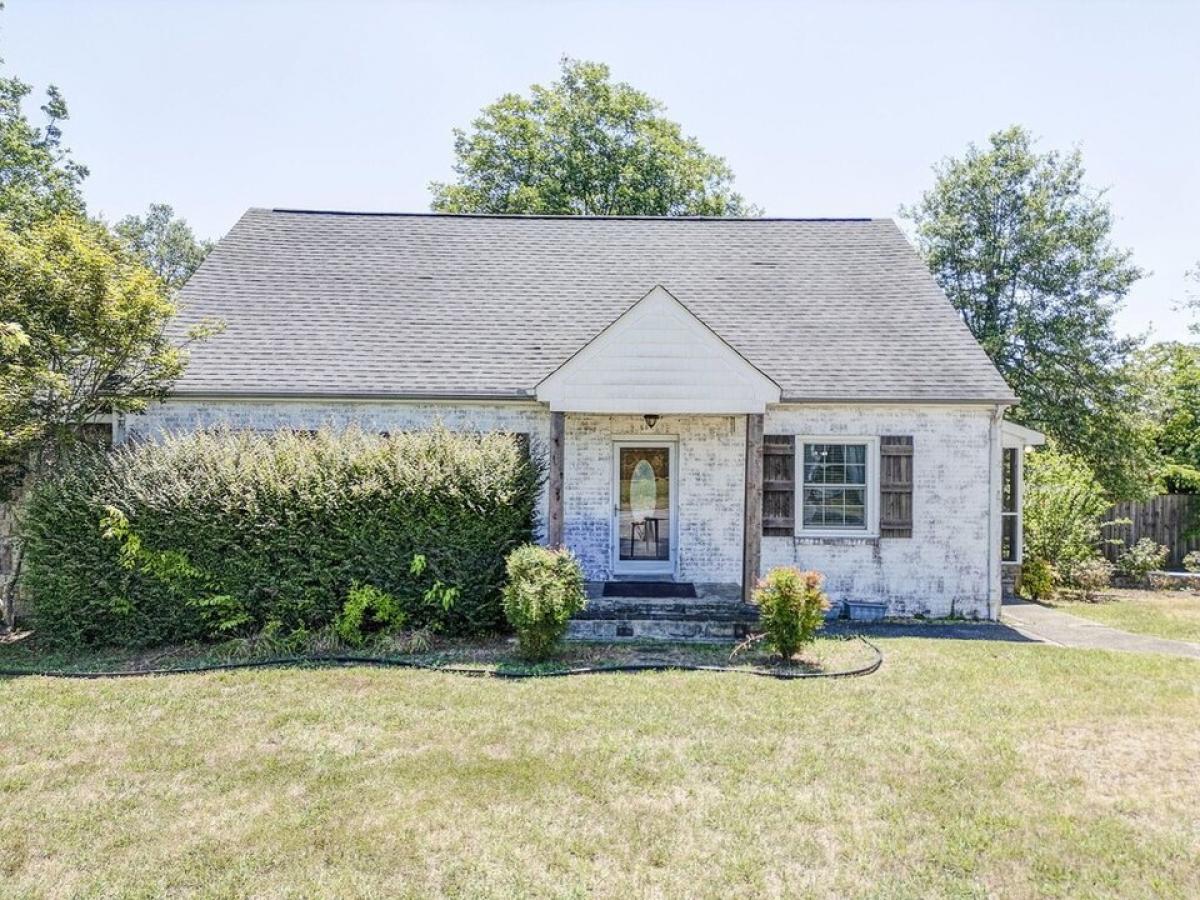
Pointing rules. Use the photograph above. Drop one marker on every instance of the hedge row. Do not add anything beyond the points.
(231, 532)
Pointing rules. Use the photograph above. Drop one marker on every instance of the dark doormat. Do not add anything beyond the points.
(653, 589)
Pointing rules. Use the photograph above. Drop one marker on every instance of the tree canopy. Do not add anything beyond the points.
(38, 177)
(584, 145)
(1023, 248)
(1169, 376)
(165, 242)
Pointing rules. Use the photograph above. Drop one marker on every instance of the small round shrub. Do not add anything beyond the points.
(1090, 577)
(1037, 579)
(1191, 562)
(368, 611)
(545, 588)
(791, 608)
(1143, 558)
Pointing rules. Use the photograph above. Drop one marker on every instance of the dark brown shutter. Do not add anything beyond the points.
(895, 486)
(779, 484)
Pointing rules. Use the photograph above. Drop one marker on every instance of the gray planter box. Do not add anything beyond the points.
(866, 612)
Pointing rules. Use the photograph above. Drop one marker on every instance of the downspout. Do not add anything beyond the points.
(993, 553)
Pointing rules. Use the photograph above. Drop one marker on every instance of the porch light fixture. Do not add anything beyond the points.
(651, 421)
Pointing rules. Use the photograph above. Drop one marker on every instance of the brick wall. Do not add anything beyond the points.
(943, 568)
(710, 482)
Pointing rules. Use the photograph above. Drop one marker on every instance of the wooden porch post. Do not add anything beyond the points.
(554, 521)
(752, 532)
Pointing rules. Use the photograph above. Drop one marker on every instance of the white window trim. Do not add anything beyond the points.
(1019, 515)
(871, 489)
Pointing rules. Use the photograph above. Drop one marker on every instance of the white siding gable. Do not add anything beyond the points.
(658, 358)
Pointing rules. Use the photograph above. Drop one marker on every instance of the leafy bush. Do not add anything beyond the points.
(221, 534)
(1037, 579)
(1143, 558)
(1191, 562)
(1090, 577)
(545, 588)
(1064, 510)
(791, 608)
(368, 610)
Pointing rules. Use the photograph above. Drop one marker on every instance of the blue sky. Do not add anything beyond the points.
(829, 109)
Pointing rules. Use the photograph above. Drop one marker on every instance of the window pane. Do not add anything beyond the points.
(1009, 502)
(1008, 538)
(835, 486)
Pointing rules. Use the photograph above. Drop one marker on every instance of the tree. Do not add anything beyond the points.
(1023, 249)
(1192, 301)
(166, 243)
(83, 331)
(38, 177)
(1169, 376)
(584, 146)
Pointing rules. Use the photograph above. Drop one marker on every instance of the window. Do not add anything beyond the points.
(836, 487)
(1010, 506)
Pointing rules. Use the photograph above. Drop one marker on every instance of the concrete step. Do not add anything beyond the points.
(686, 630)
(629, 608)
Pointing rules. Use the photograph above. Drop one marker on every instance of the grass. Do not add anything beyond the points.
(961, 768)
(1167, 614)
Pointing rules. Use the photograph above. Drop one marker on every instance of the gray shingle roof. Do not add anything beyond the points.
(414, 305)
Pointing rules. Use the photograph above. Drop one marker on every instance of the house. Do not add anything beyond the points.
(717, 396)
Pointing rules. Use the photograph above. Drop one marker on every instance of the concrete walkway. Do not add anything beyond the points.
(1056, 627)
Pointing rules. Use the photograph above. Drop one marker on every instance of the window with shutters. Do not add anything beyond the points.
(837, 487)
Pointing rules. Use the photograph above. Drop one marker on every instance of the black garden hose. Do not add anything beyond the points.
(384, 662)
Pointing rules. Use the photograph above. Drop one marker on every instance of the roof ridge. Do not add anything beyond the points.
(568, 218)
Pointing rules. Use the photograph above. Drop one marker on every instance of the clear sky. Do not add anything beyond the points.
(822, 109)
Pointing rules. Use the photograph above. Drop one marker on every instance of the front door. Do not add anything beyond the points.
(644, 508)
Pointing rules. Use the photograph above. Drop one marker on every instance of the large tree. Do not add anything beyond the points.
(1023, 248)
(83, 332)
(584, 146)
(165, 242)
(1169, 376)
(38, 177)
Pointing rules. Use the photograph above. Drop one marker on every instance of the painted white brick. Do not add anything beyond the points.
(943, 568)
(710, 482)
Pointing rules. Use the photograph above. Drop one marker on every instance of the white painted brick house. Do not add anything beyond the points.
(716, 396)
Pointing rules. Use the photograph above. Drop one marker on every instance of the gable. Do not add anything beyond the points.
(656, 358)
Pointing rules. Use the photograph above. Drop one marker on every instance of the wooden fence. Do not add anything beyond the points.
(1167, 519)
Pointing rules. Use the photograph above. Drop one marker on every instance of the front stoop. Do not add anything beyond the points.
(714, 616)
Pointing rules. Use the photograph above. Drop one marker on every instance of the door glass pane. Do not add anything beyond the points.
(644, 510)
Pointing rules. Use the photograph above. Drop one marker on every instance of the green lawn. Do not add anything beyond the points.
(966, 768)
(1168, 614)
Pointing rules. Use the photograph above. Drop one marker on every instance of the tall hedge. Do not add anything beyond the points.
(258, 529)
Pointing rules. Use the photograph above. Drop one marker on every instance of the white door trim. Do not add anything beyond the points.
(653, 567)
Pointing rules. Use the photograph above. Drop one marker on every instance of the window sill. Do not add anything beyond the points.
(835, 537)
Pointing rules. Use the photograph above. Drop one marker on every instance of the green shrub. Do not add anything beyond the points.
(791, 608)
(1037, 579)
(1090, 577)
(368, 611)
(1191, 562)
(545, 588)
(219, 534)
(1064, 511)
(1143, 558)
